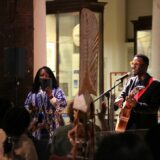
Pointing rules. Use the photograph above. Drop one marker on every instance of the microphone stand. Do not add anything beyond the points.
(107, 94)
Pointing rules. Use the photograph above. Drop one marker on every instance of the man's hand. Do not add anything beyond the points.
(132, 102)
(119, 102)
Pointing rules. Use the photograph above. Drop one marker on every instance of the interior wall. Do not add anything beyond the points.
(134, 9)
(114, 39)
(154, 62)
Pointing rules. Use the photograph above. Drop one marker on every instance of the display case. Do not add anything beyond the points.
(63, 41)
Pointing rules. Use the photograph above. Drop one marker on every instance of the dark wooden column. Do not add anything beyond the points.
(16, 49)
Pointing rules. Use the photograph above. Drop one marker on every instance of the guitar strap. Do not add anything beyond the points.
(140, 93)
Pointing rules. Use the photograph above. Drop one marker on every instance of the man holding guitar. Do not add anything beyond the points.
(143, 105)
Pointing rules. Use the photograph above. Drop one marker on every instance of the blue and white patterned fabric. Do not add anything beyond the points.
(44, 111)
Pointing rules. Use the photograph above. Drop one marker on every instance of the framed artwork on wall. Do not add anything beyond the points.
(113, 77)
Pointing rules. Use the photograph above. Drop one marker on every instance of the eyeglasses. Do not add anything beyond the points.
(135, 63)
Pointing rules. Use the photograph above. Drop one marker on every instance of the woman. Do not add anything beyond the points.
(44, 102)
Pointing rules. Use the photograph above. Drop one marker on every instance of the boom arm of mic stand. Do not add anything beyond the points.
(107, 92)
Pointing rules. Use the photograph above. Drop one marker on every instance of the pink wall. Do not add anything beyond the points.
(39, 34)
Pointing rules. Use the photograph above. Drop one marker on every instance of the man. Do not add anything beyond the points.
(144, 108)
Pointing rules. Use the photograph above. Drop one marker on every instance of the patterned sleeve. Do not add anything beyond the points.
(28, 100)
(60, 96)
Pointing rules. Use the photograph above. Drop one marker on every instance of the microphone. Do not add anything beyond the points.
(124, 76)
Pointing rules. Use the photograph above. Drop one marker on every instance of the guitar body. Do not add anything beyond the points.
(123, 119)
(125, 112)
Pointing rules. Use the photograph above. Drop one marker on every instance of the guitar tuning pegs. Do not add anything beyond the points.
(140, 87)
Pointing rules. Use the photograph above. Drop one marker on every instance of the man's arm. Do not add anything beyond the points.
(150, 101)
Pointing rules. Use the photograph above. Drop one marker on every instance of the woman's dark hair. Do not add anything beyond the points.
(70, 111)
(16, 122)
(5, 105)
(144, 57)
(36, 83)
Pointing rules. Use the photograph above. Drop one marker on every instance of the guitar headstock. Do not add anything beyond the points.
(137, 89)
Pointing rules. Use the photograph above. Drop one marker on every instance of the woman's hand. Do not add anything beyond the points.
(53, 100)
(49, 92)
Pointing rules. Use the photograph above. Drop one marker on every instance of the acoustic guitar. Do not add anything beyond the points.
(125, 112)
